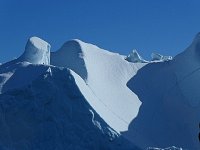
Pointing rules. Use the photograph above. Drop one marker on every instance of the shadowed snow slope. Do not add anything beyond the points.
(37, 51)
(18, 75)
(50, 113)
(106, 75)
(70, 55)
(169, 91)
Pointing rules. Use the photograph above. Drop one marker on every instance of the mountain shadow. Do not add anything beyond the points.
(165, 119)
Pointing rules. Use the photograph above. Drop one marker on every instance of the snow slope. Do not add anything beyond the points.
(50, 113)
(186, 66)
(17, 75)
(169, 91)
(106, 75)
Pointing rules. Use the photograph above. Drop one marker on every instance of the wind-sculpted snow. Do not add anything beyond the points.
(70, 55)
(37, 51)
(51, 113)
(105, 74)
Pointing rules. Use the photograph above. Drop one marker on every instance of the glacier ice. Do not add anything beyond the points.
(158, 57)
(135, 57)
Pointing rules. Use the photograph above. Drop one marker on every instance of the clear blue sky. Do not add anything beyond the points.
(164, 26)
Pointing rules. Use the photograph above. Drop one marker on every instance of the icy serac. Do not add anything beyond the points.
(159, 57)
(37, 51)
(135, 57)
(47, 107)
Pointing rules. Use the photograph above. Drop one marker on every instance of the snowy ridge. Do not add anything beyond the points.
(99, 99)
(105, 74)
(19, 75)
(70, 55)
(51, 113)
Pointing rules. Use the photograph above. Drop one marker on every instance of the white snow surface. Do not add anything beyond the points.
(152, 104)
(105, 75)
(37, 51)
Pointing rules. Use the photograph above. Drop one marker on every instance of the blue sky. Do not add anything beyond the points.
(164, 26)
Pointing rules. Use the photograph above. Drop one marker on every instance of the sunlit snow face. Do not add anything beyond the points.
(37, 51)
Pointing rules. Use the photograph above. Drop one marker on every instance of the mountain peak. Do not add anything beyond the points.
(37, 43)
(37, 51)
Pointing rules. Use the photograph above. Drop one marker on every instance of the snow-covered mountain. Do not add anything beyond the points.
(84, 97)
(103, 80)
